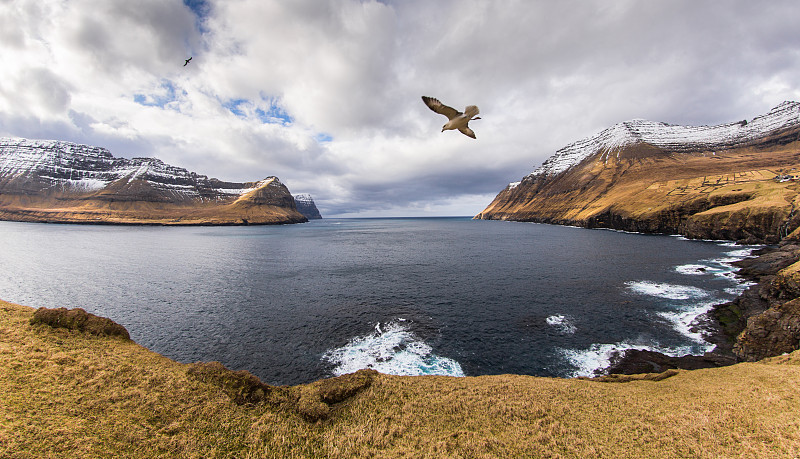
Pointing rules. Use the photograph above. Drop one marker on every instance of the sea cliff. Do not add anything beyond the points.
(64, 182)
(306, 206)
(735, 181)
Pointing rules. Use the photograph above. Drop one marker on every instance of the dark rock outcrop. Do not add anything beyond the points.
(243, 387)
(314, 402)
(80, 320)
(774, 332)
(306, 206)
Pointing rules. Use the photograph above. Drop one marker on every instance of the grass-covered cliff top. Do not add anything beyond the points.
(68, 393)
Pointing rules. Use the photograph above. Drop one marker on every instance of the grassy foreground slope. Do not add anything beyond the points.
(65, 393)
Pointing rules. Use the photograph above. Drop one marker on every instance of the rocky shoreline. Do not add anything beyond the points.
(763, 322)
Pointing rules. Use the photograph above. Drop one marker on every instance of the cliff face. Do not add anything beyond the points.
(305, 205)
(722, 182)
(55, 181)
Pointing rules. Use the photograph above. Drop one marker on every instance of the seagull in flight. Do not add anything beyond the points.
(187, 62)
(456, 119)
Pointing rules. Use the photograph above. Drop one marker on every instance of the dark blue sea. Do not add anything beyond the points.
(453, 296)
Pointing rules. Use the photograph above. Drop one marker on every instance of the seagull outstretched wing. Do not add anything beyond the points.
(441, 108)
(467, 132)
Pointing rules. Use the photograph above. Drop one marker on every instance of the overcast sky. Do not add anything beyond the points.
(326, 94)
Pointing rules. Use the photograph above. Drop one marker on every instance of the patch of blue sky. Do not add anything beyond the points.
(201, 9)
(165, 94)
(322, 137)
(268, 111)
(237, 106)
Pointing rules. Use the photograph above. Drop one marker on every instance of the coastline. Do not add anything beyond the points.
(643, 356)
(725, 322)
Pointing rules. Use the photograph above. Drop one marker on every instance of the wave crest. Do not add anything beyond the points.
(394, 350)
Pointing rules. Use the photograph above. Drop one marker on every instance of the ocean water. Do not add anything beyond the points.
(412, 296)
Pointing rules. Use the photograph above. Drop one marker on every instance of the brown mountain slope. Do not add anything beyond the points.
(64, 182)
(730, 193)
(269, 203)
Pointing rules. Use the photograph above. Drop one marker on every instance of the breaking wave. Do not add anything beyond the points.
(393, 349)
(667, 291)
(689, 304)
(591, 362)
(684, 320)
(562, 323)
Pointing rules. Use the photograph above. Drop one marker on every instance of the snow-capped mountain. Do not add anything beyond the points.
(40, 165)
(731, 181)
(671, 137)
(75, 175)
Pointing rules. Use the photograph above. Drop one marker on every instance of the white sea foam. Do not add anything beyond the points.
(668, 291)
(393, 349)
(714, 267)
(591, 362)
(562, 323)
(722, 267)
(692, 302)
(684, 320)
(741, 253)
(693, 269)
(739, 288)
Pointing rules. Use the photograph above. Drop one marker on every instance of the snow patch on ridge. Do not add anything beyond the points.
(304, 197)
(82, 168)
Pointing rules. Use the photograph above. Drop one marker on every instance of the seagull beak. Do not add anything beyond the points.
(442, 128)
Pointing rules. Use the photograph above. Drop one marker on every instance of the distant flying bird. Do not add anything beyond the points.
(187, 62)
(457, 120)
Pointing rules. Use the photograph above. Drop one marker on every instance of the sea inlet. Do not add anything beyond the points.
(413, 296)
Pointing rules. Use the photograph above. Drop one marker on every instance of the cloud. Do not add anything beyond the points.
(326, 94)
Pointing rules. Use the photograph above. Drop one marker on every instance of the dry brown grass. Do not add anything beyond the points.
(65, 393)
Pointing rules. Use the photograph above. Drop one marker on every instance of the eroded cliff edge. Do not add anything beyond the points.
(64, 182)
(737, 181)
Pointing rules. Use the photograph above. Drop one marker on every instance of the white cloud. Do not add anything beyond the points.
(326, 94)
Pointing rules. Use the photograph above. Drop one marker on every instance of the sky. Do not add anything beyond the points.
(326, 94)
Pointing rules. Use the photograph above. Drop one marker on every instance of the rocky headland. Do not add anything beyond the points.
(306, 206)
(63, 182)
(736, 181)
